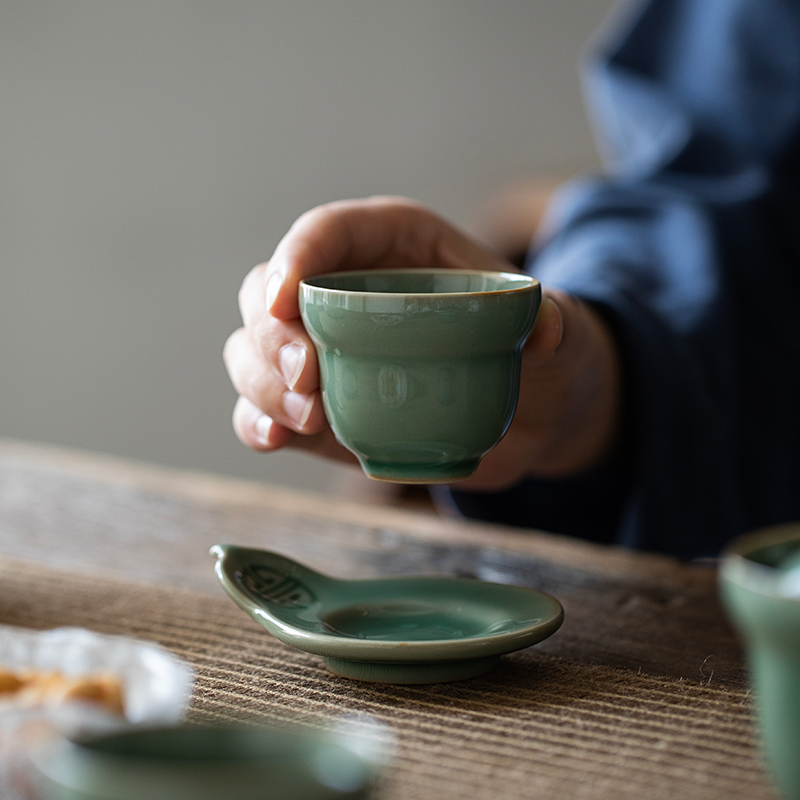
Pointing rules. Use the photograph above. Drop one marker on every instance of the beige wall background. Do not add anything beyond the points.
(152, 152)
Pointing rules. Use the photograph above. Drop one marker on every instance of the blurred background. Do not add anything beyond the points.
(152, 152)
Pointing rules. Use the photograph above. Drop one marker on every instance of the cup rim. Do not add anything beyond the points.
(529, 282)
(737, 566)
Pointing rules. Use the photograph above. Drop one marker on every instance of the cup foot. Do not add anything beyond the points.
(418, 473)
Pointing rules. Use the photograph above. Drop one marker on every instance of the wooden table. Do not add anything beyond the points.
(641, 694)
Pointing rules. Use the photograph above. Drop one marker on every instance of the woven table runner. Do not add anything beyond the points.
(627, 610)
(538, 726)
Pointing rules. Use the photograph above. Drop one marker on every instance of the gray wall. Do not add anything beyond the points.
(152, 152)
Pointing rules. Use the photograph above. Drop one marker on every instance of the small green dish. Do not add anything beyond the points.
(387, 630)
(206, 763)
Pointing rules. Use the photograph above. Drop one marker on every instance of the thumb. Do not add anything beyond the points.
(548, 329)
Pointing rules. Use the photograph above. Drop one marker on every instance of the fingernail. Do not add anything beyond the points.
(298, 407)
(263, 425)
(292, 359)
(274, 283)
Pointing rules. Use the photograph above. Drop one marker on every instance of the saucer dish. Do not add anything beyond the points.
(387, 630)
(195, 762)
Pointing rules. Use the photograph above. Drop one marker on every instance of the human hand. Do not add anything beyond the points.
(566, 417)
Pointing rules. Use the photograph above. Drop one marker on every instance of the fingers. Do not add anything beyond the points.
(263, 383)
(284, 345)
(256, 430)
(259, 432)
(378, 232)
(273, 367)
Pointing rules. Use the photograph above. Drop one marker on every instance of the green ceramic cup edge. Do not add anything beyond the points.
(765, 620)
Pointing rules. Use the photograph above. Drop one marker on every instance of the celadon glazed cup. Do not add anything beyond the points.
(760, 585)
(208, 763)
(419, 368)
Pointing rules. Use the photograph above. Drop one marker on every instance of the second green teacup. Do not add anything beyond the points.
(419, 367)
(760, 583)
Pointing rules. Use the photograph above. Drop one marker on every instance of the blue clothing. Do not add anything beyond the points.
(690, 249)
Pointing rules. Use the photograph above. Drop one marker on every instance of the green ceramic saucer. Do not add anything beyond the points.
(206, 763)
(387, 630)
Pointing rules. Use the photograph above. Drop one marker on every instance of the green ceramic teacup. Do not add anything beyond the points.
(419, 367)
(760, 584)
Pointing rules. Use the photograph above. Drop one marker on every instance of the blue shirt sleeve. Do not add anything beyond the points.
(689, 246)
